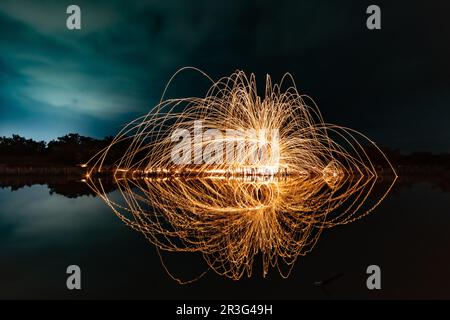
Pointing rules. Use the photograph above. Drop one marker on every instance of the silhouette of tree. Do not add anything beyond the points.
(70, 149)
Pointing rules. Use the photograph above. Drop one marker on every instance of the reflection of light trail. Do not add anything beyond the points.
(232, 211)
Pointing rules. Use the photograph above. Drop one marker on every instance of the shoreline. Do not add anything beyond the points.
(77, 170)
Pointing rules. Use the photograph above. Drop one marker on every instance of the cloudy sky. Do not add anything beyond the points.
(392, 84)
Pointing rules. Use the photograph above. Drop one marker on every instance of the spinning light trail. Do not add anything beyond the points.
(267, 187)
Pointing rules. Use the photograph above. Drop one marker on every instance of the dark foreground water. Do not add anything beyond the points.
(45, 228)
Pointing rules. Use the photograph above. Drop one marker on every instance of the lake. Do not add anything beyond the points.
(45, 226)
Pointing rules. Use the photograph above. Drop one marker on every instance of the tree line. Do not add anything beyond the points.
(69, 149)
(72, 149)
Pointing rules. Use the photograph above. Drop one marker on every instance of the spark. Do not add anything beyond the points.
(230, 212)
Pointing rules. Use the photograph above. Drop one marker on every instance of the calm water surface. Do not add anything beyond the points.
(43, 229)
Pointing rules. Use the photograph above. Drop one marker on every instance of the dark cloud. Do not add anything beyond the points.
(392, 84)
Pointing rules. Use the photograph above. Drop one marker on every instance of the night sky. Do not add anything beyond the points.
(392, 84)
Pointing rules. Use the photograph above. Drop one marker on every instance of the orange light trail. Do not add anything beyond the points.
(231, 211)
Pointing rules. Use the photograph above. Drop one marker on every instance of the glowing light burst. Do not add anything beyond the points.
(317, 176)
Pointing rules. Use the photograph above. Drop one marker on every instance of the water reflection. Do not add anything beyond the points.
(44, 234)
(67, 186)
(74, 186)
(230, 220)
